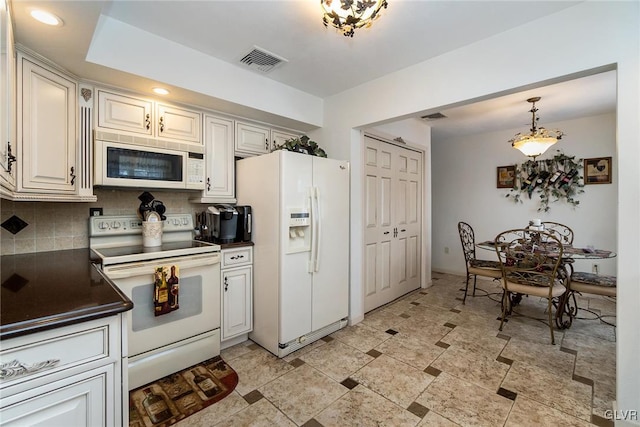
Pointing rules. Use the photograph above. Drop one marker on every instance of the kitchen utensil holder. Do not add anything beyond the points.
(151, 233)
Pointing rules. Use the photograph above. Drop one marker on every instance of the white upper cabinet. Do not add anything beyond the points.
(255, 139)
(252, 138)
(279, 137)
(7, 102)
(176, 123)
(122, 113)
(47, 130)
(219, 159)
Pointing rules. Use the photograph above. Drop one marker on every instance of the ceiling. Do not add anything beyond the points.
(319, 60)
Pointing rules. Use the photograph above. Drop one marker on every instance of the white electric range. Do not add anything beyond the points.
(159, 345)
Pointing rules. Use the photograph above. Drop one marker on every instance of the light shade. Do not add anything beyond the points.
(533, 146)
(539, 139)
(348, 15)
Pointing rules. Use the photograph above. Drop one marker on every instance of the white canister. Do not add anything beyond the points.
(152, 230)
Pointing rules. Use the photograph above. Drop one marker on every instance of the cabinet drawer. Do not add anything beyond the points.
(236, 257)
(44, 353)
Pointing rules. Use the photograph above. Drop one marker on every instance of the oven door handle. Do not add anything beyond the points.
(126, 271)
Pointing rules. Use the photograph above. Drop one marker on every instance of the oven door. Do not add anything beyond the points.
(199, 300)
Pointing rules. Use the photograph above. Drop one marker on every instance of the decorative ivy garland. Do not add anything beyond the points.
(553, 179)
(302, 145)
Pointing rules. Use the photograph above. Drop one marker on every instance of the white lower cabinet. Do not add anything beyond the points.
(236, 292)
(68, 376)
(80, 400)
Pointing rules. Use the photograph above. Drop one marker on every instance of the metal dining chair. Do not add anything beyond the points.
(475, 267)
(531, 265)
(584, 283)
(563, 232)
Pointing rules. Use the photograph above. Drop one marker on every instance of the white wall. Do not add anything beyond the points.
(587, 36)
(464, 189)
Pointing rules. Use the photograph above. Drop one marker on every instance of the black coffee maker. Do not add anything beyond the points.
(223, 222)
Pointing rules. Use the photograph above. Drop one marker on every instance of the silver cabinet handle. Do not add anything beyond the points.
(161, 123)
(15, 368)
(208, 184)
(147, 121)
(226, 284)
(237, 257)
(72, 175)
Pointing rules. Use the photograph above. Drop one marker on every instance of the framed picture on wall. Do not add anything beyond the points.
(506, 176)
(597, 170)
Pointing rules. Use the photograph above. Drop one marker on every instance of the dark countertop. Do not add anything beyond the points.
(46, 290)
(234, 245)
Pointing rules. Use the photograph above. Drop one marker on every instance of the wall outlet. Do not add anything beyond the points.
(446, 250)
(595, 268)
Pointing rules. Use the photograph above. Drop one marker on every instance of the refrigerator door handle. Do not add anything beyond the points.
(318, 229)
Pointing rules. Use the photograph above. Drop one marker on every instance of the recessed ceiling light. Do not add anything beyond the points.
(46, 17)
(161, 91)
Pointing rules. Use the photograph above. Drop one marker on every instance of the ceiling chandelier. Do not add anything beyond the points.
(347, 15)
(539, 140)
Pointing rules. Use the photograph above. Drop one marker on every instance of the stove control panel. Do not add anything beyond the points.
(121, 225)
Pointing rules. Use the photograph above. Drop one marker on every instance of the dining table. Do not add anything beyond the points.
(570, 254)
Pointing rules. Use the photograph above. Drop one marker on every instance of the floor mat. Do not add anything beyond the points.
(176, 396)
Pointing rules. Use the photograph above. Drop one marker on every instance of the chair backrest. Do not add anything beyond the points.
(561, 231)
(468, 241)
(529, 257)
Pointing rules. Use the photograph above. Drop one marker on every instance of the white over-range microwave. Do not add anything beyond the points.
(118, 164)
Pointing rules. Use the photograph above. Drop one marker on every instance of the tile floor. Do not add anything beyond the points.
(428, 360)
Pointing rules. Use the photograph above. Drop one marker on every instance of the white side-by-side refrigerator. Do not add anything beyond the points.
(300, 214)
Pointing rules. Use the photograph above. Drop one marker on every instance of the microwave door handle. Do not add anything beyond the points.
(248, 223)
(126, 271)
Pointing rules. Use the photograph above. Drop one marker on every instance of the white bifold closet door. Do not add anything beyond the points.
(392, 221)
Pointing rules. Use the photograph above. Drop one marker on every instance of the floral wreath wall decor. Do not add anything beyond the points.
(552, 180)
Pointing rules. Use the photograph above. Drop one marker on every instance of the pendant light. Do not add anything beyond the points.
(348, 15)
(539, 139)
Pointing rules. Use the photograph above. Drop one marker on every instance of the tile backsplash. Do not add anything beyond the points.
(56, 226)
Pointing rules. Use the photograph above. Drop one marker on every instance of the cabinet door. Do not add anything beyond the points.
(175, 123)
(7, 100)
(48, 155)
(79, 400)
(237, 312)
(124, 113)
(220, 165)
(278, 138)
(252, 138)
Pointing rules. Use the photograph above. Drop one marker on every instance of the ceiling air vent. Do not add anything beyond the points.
(261, 60)
(434, 116)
